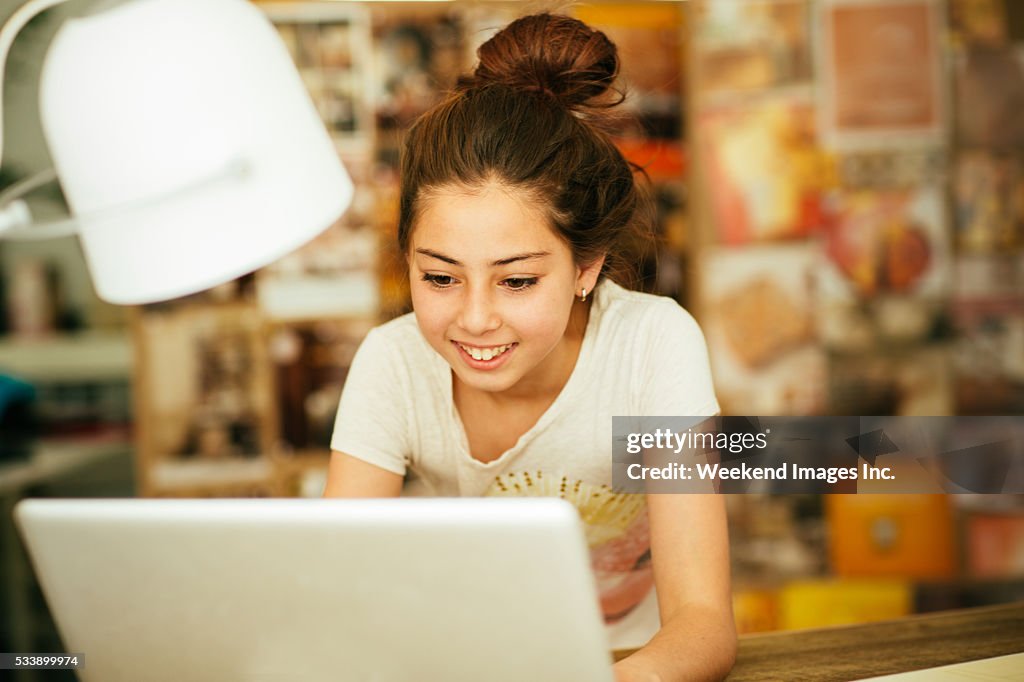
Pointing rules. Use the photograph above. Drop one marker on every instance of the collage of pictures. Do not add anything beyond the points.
(865, 253)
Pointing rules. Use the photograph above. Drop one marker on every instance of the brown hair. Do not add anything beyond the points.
(534, 116)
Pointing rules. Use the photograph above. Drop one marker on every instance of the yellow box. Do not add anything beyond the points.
(823, 603)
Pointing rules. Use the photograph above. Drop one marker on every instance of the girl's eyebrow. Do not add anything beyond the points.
(501, 261)
(438, 256)
(522, 256)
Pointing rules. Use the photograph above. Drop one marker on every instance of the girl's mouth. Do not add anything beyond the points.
(490, 357)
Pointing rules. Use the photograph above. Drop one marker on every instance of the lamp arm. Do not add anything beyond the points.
(14, 213)
(16, 220)
(26, 185)
(8, 32)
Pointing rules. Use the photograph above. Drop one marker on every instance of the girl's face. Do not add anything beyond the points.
(493, 288)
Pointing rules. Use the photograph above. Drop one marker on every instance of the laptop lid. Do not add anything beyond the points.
(401, 589)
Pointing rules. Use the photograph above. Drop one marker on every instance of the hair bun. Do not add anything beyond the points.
(554, 55)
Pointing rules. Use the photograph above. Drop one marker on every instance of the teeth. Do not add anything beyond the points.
(485, 354)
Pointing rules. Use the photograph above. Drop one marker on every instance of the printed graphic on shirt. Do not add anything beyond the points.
(617, 533)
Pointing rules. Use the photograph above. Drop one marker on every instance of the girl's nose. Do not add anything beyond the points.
(479, 313)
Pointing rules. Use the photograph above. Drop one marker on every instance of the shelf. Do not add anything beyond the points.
(54, 459)
(68, 358)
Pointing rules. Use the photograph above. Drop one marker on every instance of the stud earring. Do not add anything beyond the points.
(583, 295)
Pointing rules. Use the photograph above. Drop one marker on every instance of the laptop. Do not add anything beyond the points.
(367, 590)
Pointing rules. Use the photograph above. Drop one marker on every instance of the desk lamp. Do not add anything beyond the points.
(186, 145)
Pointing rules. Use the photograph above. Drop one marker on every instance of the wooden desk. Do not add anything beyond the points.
(854, 652)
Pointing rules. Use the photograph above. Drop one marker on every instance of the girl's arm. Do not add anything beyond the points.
(348, 476)
(690, 555)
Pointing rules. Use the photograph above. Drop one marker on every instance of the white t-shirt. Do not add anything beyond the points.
(641, 355)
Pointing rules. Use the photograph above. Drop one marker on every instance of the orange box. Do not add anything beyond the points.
(907, 536)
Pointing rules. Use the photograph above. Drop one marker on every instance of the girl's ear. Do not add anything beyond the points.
(588, 274)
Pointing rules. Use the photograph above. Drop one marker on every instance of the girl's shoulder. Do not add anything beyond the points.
(639, 311)
(397, 329)
(398, 337)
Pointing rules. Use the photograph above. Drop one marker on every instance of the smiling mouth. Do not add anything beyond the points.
(485, 354)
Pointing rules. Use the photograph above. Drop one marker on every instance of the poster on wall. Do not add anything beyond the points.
(765, 171)
(888, 242)
(757, 314)
(880, 63)
(884, 270)
(741, 47)
(988, 201)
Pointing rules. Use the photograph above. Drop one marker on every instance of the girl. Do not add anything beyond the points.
(521, 348)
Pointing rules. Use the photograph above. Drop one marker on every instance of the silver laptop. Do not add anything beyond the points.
(367, 590)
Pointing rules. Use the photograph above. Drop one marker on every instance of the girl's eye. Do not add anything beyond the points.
(438, 281)
(519, 283)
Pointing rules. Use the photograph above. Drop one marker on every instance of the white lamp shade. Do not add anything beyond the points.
(153, 96)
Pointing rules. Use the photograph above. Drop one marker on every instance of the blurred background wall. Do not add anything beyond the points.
(840, 190)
